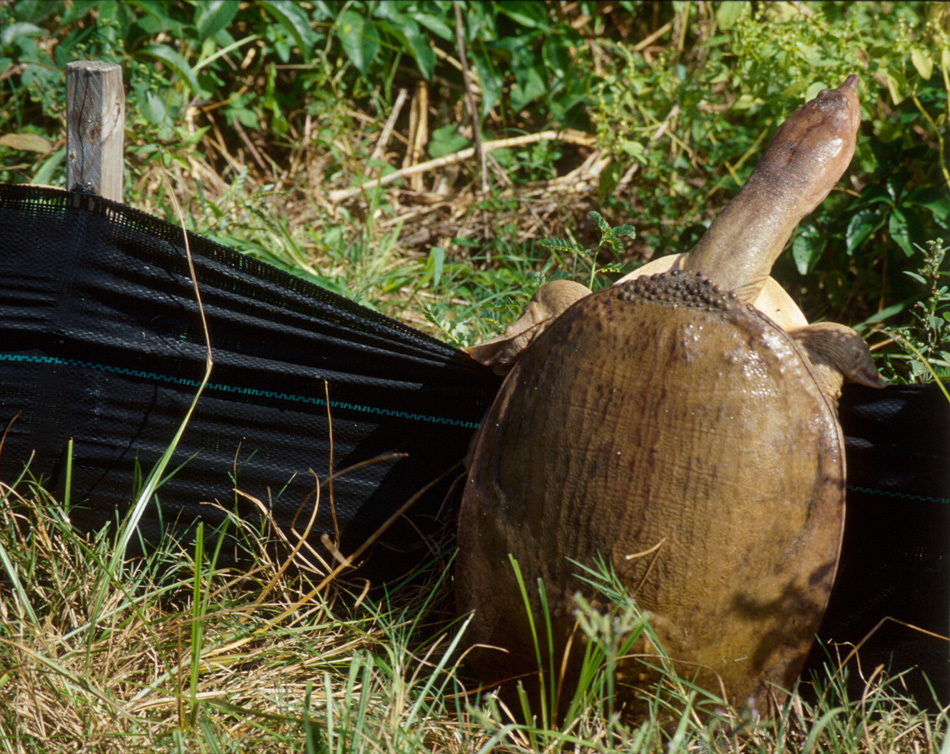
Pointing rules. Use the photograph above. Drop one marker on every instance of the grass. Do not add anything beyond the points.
(182, 655)
(174, 652)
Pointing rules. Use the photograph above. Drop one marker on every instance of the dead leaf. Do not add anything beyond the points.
(26, 142)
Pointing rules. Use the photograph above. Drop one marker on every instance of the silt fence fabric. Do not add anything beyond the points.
(317, 407)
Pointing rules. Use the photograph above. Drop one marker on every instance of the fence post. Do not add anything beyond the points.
(95, 127)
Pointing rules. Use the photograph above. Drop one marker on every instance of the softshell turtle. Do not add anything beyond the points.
(667, 415)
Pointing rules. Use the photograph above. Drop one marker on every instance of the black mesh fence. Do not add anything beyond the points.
(101, 343)
(895, 557)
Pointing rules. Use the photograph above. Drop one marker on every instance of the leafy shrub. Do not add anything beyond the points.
(261, 108)
(689, 111)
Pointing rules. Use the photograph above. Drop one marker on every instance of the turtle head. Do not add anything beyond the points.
(807, 157)
(812, 149)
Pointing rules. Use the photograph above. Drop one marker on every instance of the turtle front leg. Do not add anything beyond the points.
(547, 304)
(837, 353)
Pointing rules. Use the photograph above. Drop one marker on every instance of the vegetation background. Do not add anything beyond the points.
(416, 155)
(269, 115)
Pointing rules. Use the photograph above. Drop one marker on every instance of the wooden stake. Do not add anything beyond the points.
(95, 127)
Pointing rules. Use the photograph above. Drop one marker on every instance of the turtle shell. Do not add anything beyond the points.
(659, 416)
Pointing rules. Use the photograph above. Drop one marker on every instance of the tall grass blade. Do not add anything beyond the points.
(67, 493)
(130, 525)
(679, 740)
(522, 587)
(14, 578)
(819, 727)
(197, 615)
(328, 695)
(436, 673)
(366, 684)
(554, 689)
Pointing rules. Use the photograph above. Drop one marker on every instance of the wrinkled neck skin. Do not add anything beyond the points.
(806, 158)
(754, 239)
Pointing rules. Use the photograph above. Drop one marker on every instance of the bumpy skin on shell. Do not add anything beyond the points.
(772, 301)
(683, 416)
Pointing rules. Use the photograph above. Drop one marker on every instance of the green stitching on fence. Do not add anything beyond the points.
(890, 493)
(155, 377)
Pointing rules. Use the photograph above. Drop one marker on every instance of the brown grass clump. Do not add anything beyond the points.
(181, 655)
(178, 650)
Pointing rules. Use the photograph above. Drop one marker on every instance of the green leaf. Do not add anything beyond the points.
(807, 248)
(44, 174)
(153, 25)
(887, 312)
(896, 184)
(323, 11)
(625, 230)
(413, 41)
(153, 108)
(35, 11)
(293, 19)
(904, 227)
(154, 8)
(176, 62)
(22, 29)
(609, 178)
(934, 200)
(75, 12)
(812, 91)
(530, 83)
(247, 118)
(115, 18)
(817, 56)
(490, 82)
(893, 87)
(26, 142)
(531, 14)
(436, 263)
(436, 25)
(864, 223)
(213, 16)
(601, 223)
(633, 149)
(923, 62)
(156, 19)
(562, 244)
(446, 140)
(875, 193)
(358, 38)
(728, 13)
